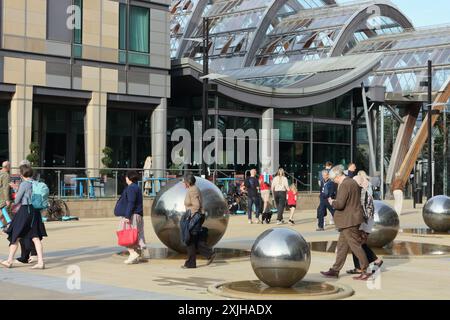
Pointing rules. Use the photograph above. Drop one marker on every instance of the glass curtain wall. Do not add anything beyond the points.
(4, 134)
(129, 136)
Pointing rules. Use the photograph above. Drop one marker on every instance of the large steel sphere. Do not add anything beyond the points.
(280, 257)
(436, 213)
(168, 208)
(386, 225)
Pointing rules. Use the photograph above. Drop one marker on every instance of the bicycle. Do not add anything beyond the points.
(57, 209)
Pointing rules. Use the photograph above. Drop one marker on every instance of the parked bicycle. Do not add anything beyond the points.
(57, 209)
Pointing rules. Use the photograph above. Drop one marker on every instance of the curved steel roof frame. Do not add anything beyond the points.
(264, 25)
(384, 8)
(194, 21)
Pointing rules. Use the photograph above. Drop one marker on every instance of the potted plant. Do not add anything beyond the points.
(107, 162)
(105, 172)
(34, 155)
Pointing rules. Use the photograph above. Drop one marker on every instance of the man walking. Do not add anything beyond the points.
(348, 218)
(326, 191)
(252, 186)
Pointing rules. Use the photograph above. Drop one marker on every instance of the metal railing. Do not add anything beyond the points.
(96, 183)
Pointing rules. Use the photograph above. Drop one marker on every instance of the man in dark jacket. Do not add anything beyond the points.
(348, 218)
(326, 191)
(252, 186)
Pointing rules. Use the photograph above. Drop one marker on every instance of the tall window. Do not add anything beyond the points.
(77, 32)
(137, 32)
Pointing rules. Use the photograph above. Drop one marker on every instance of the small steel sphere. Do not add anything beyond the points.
(168, 208)
(436, 213)
(386, 225)
(280, 257)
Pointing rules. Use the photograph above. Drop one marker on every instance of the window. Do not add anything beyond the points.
(136, 34)
(57, 29)
(77, 32)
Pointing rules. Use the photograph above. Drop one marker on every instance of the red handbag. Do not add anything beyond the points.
(127, 237)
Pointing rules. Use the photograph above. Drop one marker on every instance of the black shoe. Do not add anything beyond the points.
(320, 229)
(292, 222)
(186, 267)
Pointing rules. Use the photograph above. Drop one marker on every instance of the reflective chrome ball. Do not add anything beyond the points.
(168, 208)
(386, 225)
(280, 257)
(436, 213)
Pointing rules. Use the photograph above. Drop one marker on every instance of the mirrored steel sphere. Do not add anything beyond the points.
(436, 213)
(386, 225)
(168, 208)
(280, 257)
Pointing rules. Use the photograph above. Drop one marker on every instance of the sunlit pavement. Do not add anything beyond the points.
(87, 247)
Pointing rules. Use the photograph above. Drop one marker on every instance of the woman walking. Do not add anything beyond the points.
(280, 187)
(27, 223)
(194, 235)
(130, 208)
(366, 227)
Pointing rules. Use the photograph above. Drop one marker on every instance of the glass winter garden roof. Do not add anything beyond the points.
(246, 35)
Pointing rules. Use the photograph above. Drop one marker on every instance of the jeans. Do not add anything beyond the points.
(322, 210)
(280, 202)
(197, 245)
(27, 249)
(250, 202)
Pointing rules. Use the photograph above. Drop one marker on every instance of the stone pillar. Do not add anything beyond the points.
(269, 142)
(20, 124)
(95, 132)
(159, 139)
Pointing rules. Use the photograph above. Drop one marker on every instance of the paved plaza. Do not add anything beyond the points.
(90, 245)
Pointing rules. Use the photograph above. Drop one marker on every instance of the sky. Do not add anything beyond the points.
(423, 12)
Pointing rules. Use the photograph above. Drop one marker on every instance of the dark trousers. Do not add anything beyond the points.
(371, 256)
(197, 245)
(322, 210)
(350, 238)
(250, 202)
(27, 249)
(280, 202)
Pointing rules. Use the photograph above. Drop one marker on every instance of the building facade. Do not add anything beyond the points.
(79, 75)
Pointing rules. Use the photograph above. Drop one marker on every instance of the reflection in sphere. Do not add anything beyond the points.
(386, 225)
(436, 213)
(280, 257)
(168, 208)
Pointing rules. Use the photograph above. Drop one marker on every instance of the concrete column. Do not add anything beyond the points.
(159, 139)
(20, 124)
(269, 142)
(95, 132)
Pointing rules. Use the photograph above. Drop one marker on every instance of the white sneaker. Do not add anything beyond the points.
(280, 222)
(132, 259)
(250, 222)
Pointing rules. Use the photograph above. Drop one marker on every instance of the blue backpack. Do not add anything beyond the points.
(39, 198)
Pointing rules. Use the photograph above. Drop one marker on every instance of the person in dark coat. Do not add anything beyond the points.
(194, 235)
(327, 190)
(27, 223)
(130, 208)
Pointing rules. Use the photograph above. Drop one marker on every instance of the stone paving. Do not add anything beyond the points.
(89, 246)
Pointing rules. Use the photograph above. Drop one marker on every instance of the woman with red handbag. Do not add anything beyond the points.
(131, 228)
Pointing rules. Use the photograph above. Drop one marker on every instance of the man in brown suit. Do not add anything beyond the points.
(348, 218)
